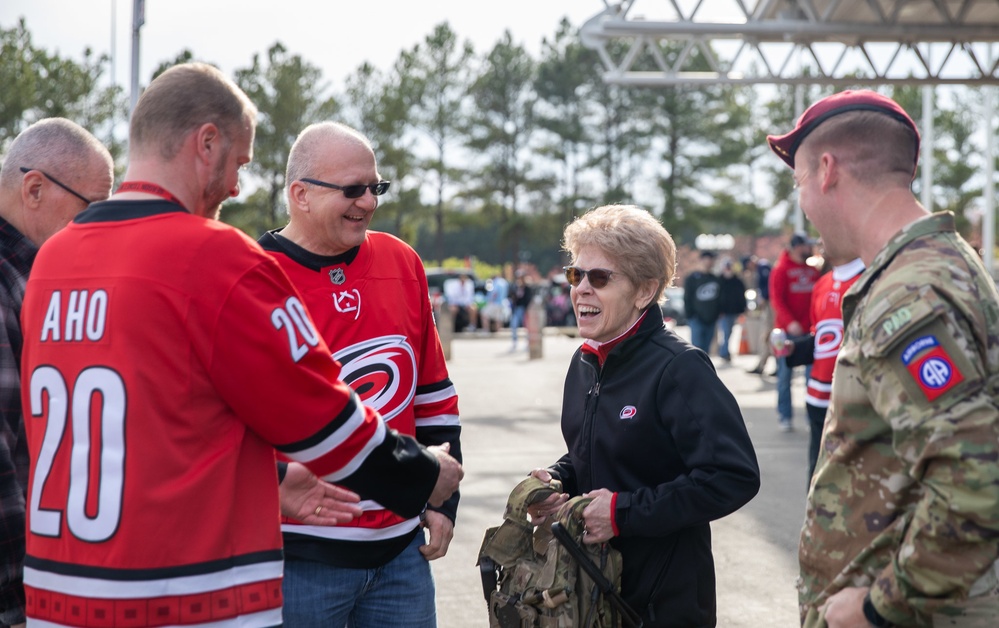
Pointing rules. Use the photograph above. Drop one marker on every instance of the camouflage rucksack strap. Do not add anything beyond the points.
(530, 491)
(514, 538)
(570, 515)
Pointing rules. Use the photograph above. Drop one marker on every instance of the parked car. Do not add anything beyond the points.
(437, 276)
(673, 307)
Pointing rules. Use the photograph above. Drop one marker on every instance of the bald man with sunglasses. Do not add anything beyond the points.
(368, 296)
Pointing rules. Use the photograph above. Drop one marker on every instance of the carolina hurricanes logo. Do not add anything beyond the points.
(707, 292)
(828, 337)
(382, 371)
(628, 412)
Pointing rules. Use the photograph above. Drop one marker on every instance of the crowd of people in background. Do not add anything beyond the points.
(501, 302)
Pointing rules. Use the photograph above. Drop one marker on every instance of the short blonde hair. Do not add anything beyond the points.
(182, 99)
(638, 243)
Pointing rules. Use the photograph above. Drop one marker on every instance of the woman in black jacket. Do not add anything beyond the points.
(653, 435)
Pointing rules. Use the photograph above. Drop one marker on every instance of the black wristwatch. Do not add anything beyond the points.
(872, 615)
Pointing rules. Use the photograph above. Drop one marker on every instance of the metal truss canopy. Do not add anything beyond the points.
(834, 42)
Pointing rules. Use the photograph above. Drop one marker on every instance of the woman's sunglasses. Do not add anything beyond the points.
(598, 276)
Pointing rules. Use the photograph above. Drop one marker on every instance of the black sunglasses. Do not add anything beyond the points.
(598, 276)
(352, 191)
(60, 184)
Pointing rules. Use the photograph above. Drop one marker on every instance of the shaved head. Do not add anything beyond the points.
(313, 140)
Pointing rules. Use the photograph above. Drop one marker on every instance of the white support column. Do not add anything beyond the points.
(927, 144)
(799, 108)
(138, 19)
(989, 209)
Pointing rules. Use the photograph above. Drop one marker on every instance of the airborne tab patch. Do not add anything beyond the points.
(931, 366)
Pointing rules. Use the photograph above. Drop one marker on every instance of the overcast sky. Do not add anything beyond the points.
(334, 35)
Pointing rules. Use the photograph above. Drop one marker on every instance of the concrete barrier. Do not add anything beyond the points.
(445, 326)
(535, 324)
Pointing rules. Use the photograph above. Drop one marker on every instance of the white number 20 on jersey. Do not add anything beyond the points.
(94, 381)
(293, 317)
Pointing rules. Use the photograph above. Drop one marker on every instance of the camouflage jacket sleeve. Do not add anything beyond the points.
(930, 377)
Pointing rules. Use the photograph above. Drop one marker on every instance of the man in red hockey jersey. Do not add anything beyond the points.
(165, 357)
(367, 294)
(820, 347)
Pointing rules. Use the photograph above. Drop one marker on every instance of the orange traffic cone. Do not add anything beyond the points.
(743, 338)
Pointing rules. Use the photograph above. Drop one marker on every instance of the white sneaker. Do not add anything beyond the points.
(785, 425)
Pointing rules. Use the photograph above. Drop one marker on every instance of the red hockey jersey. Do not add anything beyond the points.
(165, 356)
(372, 307)
(827, 326)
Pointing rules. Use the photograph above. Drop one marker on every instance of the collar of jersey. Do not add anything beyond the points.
(274, 241)
(112, 211)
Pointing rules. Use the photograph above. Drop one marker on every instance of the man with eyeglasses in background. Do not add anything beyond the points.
(368, 296)
(52, 171)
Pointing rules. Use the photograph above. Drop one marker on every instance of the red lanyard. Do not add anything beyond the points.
(149, 188)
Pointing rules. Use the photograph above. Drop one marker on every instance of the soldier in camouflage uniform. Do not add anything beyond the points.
(902, 524)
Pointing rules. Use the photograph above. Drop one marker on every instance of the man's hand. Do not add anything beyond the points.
(540, 511)
(597, 517)
(441, 530)
(845, 609)
(450, 475)
(794, 328)
(310, 500)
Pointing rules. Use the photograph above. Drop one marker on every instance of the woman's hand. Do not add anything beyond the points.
(597, 517)
(540, 511)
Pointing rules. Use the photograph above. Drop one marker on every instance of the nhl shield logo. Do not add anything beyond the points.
(337, 276)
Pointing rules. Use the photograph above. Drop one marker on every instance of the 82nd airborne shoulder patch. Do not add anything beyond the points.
(931, 366)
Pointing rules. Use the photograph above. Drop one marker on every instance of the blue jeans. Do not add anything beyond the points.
(727, 323)
(701, 334)
(398, 594)
(517, 321)
(784, 373)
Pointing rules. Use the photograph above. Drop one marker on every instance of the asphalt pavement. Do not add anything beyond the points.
(510, 424)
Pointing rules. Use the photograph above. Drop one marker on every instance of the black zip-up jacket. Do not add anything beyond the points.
(700, 296)
(658, 427)
(731, 295)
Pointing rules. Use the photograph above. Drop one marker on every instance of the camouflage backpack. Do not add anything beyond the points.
(531, 579)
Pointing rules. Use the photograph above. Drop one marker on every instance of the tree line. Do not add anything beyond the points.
(491, 153)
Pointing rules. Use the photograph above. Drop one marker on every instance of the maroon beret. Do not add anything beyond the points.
(861, 100)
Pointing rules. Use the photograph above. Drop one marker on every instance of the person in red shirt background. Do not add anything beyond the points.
(791, 283)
